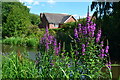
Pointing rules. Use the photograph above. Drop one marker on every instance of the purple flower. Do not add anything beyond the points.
(59, 46)
(55, 42)
(88, 18)
(102, 50)
(83, 50)
(101, 44)
(92, 35)
(108, 64)
(79, 25)
(46, 29)
(106, 49)
(84, 30)
(97, 39)
(98, 36)
(83, 53)
(56, 51)
(102, 55)
(75, 33)
(83, 45)
(47, 46)
(51, 64)
(79, 28)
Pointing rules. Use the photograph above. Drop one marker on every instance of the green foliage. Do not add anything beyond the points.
(35, 31)
(108, 18)
(15, 18)
(14, 66)
(30, 42)
(35, 19)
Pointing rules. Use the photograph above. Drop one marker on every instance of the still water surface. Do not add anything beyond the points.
(6, 49)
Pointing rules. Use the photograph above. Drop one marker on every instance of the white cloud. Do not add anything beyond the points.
(36, 3)
(51, 1)
(29, 1)
(29, 6)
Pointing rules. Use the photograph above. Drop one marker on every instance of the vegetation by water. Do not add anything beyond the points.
(15, 66)
(19, 26)
(78, 50)
(84, 60)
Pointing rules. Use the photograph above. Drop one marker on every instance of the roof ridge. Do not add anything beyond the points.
(57, 13)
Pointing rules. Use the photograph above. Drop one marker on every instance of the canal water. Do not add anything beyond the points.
(6, 49)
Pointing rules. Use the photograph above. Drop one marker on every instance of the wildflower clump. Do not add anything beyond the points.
(87, 56)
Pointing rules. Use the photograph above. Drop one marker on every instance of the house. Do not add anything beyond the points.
(54, 20)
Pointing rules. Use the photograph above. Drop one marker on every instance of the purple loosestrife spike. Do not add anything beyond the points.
(56, 51)
(79, 25)
(101, 44)
(75, 33)
(83, 53)
(59, 47)
(108, 64)
(83, 45)
(88, 18)
(106, 49)
(97, 39)
(83, 50)
(92, 34)
(84, 30)
(55, 42)
(98, 36)
(102, 50)
(46, 29)
(47, 46)
(102, 55)
(91, 23)
(79, 28)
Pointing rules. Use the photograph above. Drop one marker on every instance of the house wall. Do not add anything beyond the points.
(71, 19)
(51, 26)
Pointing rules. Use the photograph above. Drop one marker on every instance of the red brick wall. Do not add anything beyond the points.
(71, 19)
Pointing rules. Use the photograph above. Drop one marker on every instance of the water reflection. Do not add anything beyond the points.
(6, 49)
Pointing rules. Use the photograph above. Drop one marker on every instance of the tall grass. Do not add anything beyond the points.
(30, 42)
(16, 66)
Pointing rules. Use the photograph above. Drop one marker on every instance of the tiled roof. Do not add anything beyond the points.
(56, 18)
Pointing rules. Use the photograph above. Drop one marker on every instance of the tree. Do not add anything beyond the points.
(108, 18)
(15, 19)
(35, 19)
